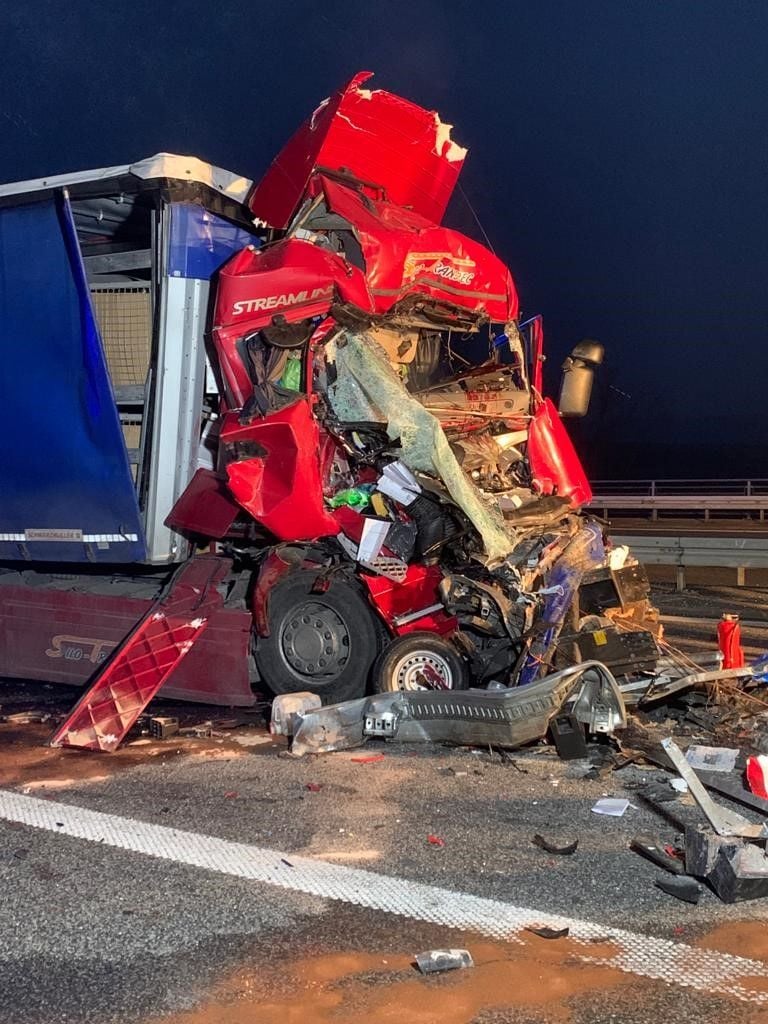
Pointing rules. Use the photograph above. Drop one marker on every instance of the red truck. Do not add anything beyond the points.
(287, 436)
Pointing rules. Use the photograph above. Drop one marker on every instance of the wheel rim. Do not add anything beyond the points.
(422, 670)
(315, 640)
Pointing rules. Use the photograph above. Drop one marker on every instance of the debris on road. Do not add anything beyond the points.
(658, 853)
(286, 709)
(497, 718)
(612, 806)
(711, 759)
(568, 736)
(550, 847)
(757, 775)
(681, 887)
(434, 840)
(735, 868)
(435, 961)
(548, 933)
(730, 854)
(725, 822)
(161, 728)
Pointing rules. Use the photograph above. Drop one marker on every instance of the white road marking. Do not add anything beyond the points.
(641, 955)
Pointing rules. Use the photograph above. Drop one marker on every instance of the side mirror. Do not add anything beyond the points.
(578, 376)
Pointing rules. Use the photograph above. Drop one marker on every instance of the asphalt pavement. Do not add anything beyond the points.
(92, 931)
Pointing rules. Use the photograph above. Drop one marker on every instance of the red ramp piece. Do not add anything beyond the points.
(143, 662)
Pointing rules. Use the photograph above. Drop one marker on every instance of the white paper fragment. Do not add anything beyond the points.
(711, 759)
(397, 482)
(613, 806)
(373, 536)
(679, 785)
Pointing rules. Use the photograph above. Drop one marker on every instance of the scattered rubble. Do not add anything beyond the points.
(435, 961)
(550, 847)
(549, 933)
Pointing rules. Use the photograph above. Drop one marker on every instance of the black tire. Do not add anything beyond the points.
(415, 661)
(324, 643)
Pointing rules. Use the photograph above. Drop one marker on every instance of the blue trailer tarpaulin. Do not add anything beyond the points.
(66, 491)
(201, 241)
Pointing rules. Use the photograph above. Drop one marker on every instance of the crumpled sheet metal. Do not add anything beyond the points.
(367, 387)
(505, 718)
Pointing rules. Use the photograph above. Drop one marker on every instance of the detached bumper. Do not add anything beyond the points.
(503, 718)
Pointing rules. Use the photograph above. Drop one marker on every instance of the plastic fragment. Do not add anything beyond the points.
(231, 794)
(549, 847)
(314, 787)
(435, 840)
(663, 856)
(681, 887)
(354, 497)
(712, 759)
(369, 759)
(548, 933)
(757, 775)
(434, 961)
(614, 807)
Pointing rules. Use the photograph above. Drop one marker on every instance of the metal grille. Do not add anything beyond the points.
(125, 321)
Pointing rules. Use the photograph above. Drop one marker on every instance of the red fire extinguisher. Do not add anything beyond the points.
(729, 641)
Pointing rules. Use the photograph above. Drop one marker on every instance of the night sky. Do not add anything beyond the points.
(618, 161)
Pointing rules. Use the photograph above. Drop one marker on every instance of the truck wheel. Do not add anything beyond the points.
(419, 661)
(323, 643)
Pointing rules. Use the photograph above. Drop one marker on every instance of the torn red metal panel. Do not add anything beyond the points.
(555, 466)
(205, 506)
(273, 568)
(136, 671)
(377, 137)
(417, 593)
(406, 254)
(282, 489)
(291, 278)
(64, 636)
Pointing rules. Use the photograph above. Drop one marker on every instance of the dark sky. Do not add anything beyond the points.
(618, 160)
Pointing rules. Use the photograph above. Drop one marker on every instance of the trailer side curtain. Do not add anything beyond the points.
(66, 492)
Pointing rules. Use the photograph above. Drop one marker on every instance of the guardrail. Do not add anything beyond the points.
(654, 496)
(739, 553)
(753, 486)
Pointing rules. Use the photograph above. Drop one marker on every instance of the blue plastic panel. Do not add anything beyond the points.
(66, 488)
(201, 242)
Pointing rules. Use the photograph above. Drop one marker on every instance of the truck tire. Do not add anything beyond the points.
(419, 661)
(323, 643)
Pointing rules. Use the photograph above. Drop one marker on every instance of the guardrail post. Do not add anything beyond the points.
(740, 573)
(680, 577)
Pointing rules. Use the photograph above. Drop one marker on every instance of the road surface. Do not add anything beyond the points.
(205, 881)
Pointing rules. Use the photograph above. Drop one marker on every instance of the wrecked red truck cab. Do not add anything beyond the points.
(363, 437)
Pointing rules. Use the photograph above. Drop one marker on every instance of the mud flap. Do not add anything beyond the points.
(140, 666)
